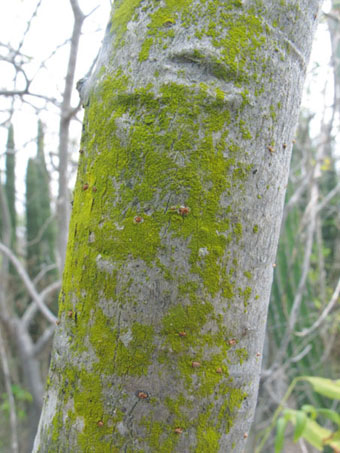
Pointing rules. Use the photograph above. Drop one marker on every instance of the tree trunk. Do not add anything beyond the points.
(183, 166)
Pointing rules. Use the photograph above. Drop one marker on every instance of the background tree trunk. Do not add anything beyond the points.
(66, 114)
(184, 163)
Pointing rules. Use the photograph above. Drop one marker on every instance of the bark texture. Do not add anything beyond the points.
(184, 161)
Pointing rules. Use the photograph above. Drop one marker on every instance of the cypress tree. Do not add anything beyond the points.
(10, 182)
(48, 238)
(40, 226)
(32, 217)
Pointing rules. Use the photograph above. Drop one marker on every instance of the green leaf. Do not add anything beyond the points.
(280, 434)
(318, 436)
(21, 394)
(326, 387)
(335, 437)
(310, 410)
(289, 414)
(21, 414)
(315, 434)
(331, 415)
(300, 423)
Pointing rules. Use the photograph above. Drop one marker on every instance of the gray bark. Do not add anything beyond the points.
(187, 138)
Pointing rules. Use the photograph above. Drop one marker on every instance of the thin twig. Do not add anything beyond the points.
(328, 198)
(29, 23)
(323, 315)
(44, 271)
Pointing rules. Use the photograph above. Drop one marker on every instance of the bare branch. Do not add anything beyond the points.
(28, 283)
(43, 63)
(91, 12)
(305, 267)
(331, 16)
(43, 340)
(10, 93)
(18, 68)
(295, 198)
(301, 354)
(21, 93)
(29, 23)
(287, 337)
(328, 198)
(63, 208)
(43, 272)
(33, 308)
(41, 231)
(77, 12)
(302, 445)
(323, 315)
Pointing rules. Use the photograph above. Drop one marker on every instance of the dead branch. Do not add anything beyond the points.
(28, 283)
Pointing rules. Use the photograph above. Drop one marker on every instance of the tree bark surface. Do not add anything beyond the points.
(184, 160)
